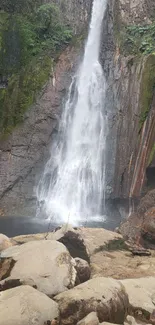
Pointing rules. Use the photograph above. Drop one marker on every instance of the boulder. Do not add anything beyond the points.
(84, 242)
(26, 306)
(81, 242)
(5, 242)
(90, 319)
(73, 240)
(45, 265)
(105, 296)
(83, 269)
(148, 228)
(99, 239)
(141, 293)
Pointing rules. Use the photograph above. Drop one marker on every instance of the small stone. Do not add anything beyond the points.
(130, 321)
(90, 319)
(83, 269)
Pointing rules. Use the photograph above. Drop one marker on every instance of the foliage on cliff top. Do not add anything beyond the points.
(24, 36)
(19, 6)
(138, 39)
(26, 39)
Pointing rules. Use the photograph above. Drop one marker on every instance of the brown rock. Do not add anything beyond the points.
(148, 227)
(83, 269)
(6, 266)
(152, 317)
(73, 240)
(139, 228)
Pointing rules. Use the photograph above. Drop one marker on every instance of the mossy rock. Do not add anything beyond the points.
(21, 92)
(31, 34)
(113, 245)
(152, 155)
(147, 88)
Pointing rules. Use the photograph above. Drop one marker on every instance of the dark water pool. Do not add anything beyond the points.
(14, 226)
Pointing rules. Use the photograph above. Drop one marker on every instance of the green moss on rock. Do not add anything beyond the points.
(31, 34)
(21, 92)
(152, 154)
(136, 39)
(147, 88)
(113, 245)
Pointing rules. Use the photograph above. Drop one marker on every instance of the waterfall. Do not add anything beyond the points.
(72, 186)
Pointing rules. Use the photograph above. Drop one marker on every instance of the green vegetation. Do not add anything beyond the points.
(21, 92)
(113, 245)
(152, 154)
(30, 36)
(138, 39)
(147, 88)
(20, 6)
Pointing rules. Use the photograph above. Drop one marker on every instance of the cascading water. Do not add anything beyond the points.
(73, 184)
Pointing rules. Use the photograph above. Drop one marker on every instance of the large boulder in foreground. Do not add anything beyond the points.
(141, 293)
(26, 306)
(45, 265)
(105, 296)
(5, 242)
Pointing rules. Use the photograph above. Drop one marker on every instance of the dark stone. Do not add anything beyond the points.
(83, 270)
(75, 244)
(6, 266)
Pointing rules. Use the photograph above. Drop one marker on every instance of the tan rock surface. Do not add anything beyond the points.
(107, 254)
(26, 306)
(121, 264)
(90, 319)
(141, 293)
(46, 264)
(5, 242)
(101, 295)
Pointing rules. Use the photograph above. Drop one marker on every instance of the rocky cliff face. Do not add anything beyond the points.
(24, 151)
(127, 56)
(129, 61)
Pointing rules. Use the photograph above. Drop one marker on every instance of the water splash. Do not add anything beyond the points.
(73, 183)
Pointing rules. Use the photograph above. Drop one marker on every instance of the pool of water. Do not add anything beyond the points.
(13, 226)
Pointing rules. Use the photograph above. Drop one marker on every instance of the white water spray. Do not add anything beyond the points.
(73, 184)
